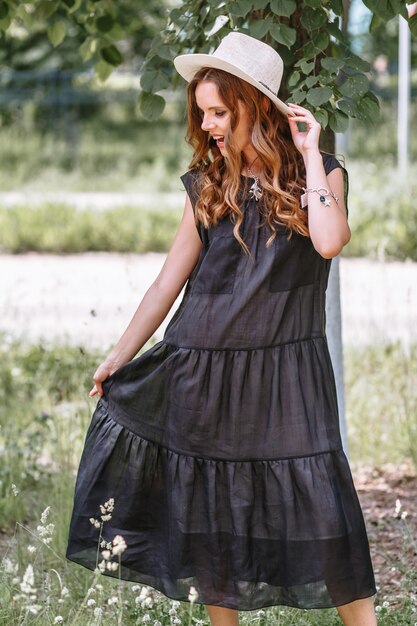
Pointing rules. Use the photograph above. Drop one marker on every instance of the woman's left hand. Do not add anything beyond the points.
(308, 139)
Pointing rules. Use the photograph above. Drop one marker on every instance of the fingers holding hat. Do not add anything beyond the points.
(304, 140)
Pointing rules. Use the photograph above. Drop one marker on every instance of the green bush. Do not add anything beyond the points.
(62, 229)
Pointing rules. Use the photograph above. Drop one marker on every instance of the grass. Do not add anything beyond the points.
(44, 414)
(382, 217)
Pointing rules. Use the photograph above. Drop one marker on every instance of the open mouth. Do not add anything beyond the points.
(219, 139)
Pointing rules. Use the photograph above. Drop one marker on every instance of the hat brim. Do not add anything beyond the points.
(187, 65)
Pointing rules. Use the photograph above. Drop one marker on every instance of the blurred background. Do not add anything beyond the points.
(90, 199)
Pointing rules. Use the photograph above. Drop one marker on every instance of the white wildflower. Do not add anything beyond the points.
(106, 554)
(15, 490)
(9, 566)
(397, 507)
(172, 612)
(99, 587)
(103, 543)
(404, 514)
(98, 612)
(119, 545)
(193, 595)
(91, 591)
(144, 592)
(378, 608)
(106, 518)
(146, 618)
(147, 603)
(15, 371)
(91, 602)
(261, 613)
(158, 623)
(59, 619)
(112, 600)
(95, 522)
(135, 588)
(385, 604)
(112, 567)
(175, 604)
(28, 580)
(31, 549)
(33, 608)
(44, 516)
(176, 621)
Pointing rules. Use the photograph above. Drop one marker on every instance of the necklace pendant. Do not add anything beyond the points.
(255, 190)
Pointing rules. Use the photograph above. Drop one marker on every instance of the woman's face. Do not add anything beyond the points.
(217, 118)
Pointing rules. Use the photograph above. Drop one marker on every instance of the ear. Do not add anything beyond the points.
(266, 103)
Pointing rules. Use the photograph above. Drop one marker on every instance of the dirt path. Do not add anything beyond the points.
(89, 298)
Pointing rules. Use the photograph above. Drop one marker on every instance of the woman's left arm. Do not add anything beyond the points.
(328, 225)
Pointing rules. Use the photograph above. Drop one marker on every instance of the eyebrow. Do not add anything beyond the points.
(211, 108)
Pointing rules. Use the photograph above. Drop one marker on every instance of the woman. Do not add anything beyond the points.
(221, 445)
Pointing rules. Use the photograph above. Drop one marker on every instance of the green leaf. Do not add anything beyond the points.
(322, 117)
(318, 95)
(151, 106)
(338, 121)
(283, 34)
(336, 6)
(306, 66)
(315, 4)
(72, 5)
(111, 55)
(368, 108)
(103, 70)
(259, 5)
(4, 10)
(310, 81)
(375, 23)
(241, 8)
(355, 86)
(293, 79)
(165, 52)
(45, 9)
(88, 48)
(334, 31)
(298, 96)
(5, 23)
(356, 63)
(56, 33)
(105, 23)
(412, 23)
(348, 106)
(332, 64)
(386, 9)
(154, 80)
(259, 28)
(312, 19)
(283, 8)
(322, 41)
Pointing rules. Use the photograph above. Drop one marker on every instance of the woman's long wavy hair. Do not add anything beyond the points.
(220, 180)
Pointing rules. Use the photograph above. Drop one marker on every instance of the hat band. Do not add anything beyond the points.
(266, 86)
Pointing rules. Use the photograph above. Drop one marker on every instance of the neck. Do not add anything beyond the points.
(252, 162)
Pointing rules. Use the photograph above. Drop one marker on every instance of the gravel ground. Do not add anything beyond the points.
(88, 299)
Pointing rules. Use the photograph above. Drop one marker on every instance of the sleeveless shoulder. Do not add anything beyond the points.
(330, 163)
(191, 181)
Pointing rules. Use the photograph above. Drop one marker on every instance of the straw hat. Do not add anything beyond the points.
(244, 57)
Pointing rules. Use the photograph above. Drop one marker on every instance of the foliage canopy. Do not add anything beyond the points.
(321, 71)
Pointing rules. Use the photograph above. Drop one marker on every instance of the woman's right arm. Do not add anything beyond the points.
(158, 300)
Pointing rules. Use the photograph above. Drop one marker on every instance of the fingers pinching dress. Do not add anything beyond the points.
(221, 446)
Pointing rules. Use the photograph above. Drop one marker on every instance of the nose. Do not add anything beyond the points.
(207, 124)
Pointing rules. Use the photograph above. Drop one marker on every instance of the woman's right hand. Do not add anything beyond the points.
(102, 372)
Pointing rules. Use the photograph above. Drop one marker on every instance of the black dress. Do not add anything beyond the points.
(221, 444)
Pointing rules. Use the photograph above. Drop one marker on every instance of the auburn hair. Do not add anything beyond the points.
(220, 180)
